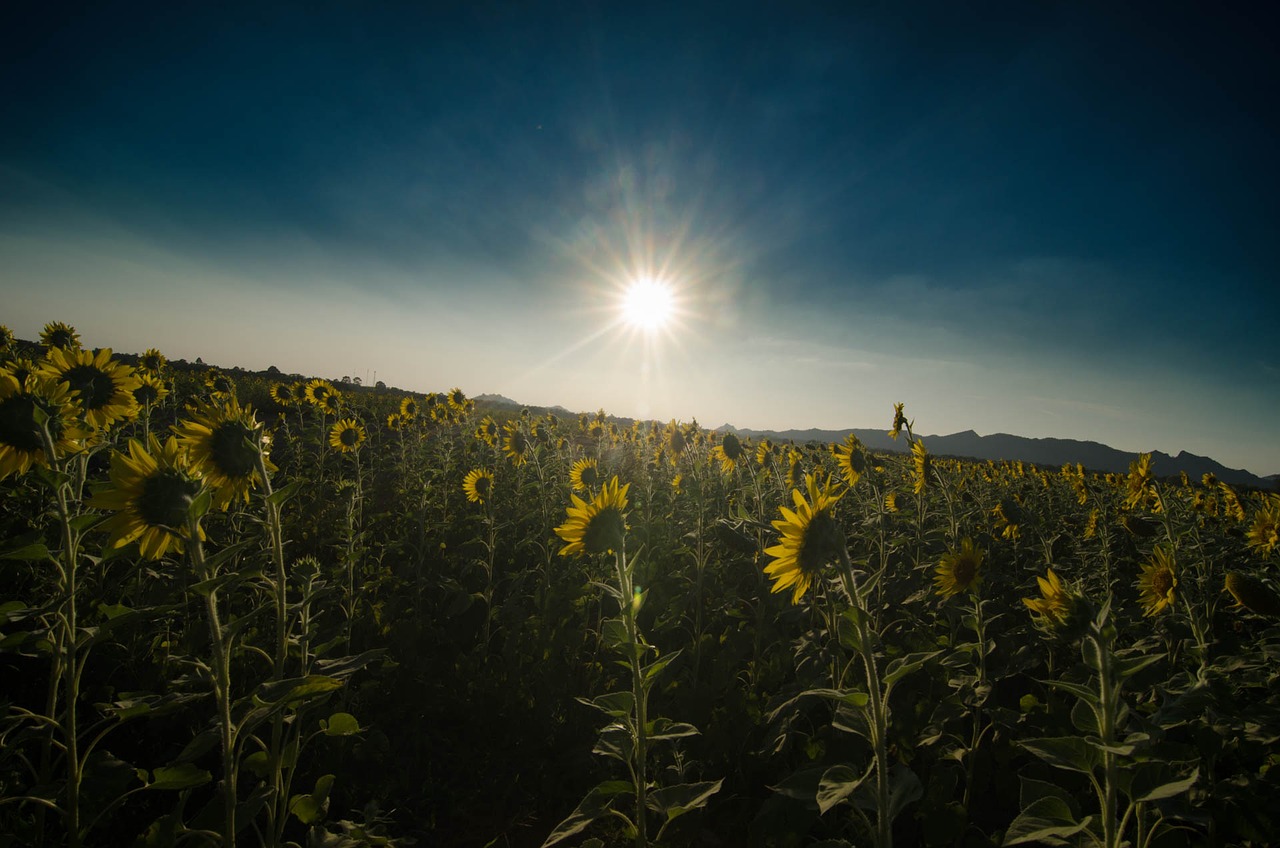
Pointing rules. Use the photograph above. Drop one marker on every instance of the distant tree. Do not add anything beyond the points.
(271, 369)
(199, 361)
(380, 385)
(357, 381)
(346, 378)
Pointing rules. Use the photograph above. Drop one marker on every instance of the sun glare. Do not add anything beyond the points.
(648, 304)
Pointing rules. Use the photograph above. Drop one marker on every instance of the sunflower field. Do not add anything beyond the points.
(248, 609)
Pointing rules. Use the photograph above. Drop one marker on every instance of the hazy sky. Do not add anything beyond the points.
(1036, 218)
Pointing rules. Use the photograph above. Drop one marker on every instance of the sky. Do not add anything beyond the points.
(1045, 219)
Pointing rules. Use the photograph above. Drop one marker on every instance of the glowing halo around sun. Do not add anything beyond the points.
(648, 304)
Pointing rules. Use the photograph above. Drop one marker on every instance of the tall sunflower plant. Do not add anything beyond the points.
(598, 527)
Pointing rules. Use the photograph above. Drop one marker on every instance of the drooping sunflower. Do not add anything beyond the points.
(729, 452)
(151, 492)
(21, 438)
(515, 444)
(223, 440)
(152, 360)
(1008, 517)
(811, 538)
(922, 463)
(764, 452)
(1264, 533)
(1056, 604)
(1158, 581)
(103, 386)
(851, 459)
(478, 485)
(584, 475)
(1231, 505)
(899, 421)
(891, 502)
(151, 390)
(597, 526)
(959, 571)
(1252, 594)
(59, 335)
(346, 435)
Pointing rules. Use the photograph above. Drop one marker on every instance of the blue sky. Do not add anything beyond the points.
(1044, 219)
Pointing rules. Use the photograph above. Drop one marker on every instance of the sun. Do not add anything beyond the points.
(648, 304)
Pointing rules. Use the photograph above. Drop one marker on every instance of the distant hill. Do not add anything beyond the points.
(1056, 452)
(495, 400)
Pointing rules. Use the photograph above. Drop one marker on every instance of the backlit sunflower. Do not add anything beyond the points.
(151, 493)
(1157, 582)
(301, 392)
(598, 526)
(922, 463)
(20, 368)
(764, 452)
(795, 469)
(103, 386)
(331, 403)
(1264, 533)
(584, 475)
(223, 441)
(488, 430)
(729, 452)
(676, 440)
(899, 421)
(478, 485)
(396, 421)
(851, 459)
(515, 444)
(1055, 606)
(1252, 594)
(891, 502)
(152, 360)
(346, 435)
(1231, 506)
(1008, 517)
(677, 484)
(151, 390)
(811, 538)
(59, 335)
(959, 571)
(21, 439)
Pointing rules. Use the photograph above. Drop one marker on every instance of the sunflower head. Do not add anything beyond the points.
(223, 441)
(1264, 533)
(1057, 608)
(317, 391)
(153, 492)
(515, 444)
(959, 571)
(282, 394)
(1252, 594)
(152, 360)
(1008, 517)
(59, 335)
(764, 452)
(23, 405)
(899, 421)
(1139, 485)
(457, 400)
(103, 386)
(597, 526)
(347, 435)
(478, 485)
(851, 459)
(584, 475)
(409, 408)
(151, 390)
(922, 464)
(7, 340)
(812, 538)
(1158, 581)
(219, 384)
(300, 392)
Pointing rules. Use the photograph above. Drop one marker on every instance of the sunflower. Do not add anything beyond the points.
(408, 408)
(677, 484)
(21, 438)
(1264, 533)
(20, 368)
(899, 421)
(676, 440)
(851, 459)
(396, 421)
(223, 442)
(59, 335)
(151, 491)
(958, 571)
(300, 392)
(1252, 594)
(104, 387)
(728, 452)
(795, 468)
(1231, 506)
(764, 452)
(219, 385)
(598, 526)
(331, 403)
(1157, 581)
(317, 389)
(6, 339)
(515, 444)
(1008, 516)
(1140, 483)
(151, 390)
(488, 430)
(1055, 606)
(282, 394)
(891, 502)
(584, 475)
(346, 435)
(923, 465)
(811, 538)
(478, 485)
(152, 360)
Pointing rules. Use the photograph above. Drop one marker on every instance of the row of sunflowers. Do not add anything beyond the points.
(266, 611)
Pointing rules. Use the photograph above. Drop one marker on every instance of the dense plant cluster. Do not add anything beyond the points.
(238, 610)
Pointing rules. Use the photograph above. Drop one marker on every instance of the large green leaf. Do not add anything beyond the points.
(1066, 752)
(312, 808)
(837, 783)
(613, 704)
(340, 724)
(598, 803)
(673, 801)
(1048, 820)
(184, 776)
(1155, 781)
